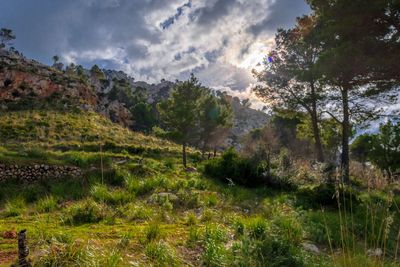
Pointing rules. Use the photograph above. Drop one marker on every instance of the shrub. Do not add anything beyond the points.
(69, 188)
(193, 237)
(86, 211)
(169, 163)
(46, 204)
(326, 195)
(152, 232)
(259, 246)
(161, 254)
(191, 219)
(14, 208)
(189, 199)
(140, 213)
(212, 200)
(257, 228)
(289, 228)
(115, 197)
(215, 253)
(32, 192)
(232, 166)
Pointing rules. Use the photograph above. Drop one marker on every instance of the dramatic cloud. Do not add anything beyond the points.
(219, 40)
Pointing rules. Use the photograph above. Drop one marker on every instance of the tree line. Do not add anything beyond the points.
(335, 63)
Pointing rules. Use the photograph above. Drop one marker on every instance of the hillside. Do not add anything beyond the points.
(92, 192)
(26, 84)
(129, 202)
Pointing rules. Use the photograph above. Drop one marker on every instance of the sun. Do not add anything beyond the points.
(254, 58)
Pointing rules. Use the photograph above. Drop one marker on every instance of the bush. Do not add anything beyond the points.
(152, 232)
(14, 208)
(161, 254)
(215, 253)
(257, 228)
(46, 204)
(115, 197)
(260, 245)
(140, 213)
(326, 195)
(86, 211)
(232, 166)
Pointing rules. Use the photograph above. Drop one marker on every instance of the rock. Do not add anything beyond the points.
(377, 252)
(311, 248)
(9, 235)
(191, 169)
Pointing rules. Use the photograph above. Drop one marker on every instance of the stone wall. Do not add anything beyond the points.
(30, 173)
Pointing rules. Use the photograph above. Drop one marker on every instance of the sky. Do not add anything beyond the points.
(220, 41)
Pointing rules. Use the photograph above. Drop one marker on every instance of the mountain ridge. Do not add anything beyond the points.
(28, 82)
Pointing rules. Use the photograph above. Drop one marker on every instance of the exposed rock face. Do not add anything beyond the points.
(21, 78)
(118, 113)
(37, 172)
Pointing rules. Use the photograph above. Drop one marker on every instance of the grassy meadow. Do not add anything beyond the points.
(136, 205)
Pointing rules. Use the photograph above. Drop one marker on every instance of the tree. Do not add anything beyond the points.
(360, 55)
(215, 115)
(290, 79)
(97, 73)
(179, 113)
(261, 144)
(144, 117)
(382, 149)
(6, 36)
(330, 132)
(55, 58)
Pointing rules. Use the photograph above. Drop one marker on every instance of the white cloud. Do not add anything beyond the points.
(219, 40)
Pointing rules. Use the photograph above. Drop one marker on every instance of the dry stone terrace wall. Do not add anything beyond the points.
(31, 173)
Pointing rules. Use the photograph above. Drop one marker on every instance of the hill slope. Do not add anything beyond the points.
(26, 84)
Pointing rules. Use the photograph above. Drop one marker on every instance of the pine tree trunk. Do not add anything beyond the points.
(345, 159)
(317, 139)
(203, 151)
(184, 154)
(319, 152)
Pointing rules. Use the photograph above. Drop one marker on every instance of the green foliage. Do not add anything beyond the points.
(232, 166)
(382, 149)
(144, 115)
(96, 72)
(6, 36)
(101, 193)
(47, 204)
(327, 195)
(214, 250)
(14, 207)
(152, 232)
(86, 211)
(161, 254)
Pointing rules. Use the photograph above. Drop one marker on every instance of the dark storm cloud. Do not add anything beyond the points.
(282, 14)
(210, 37)
(46, 27)
(211, 13)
